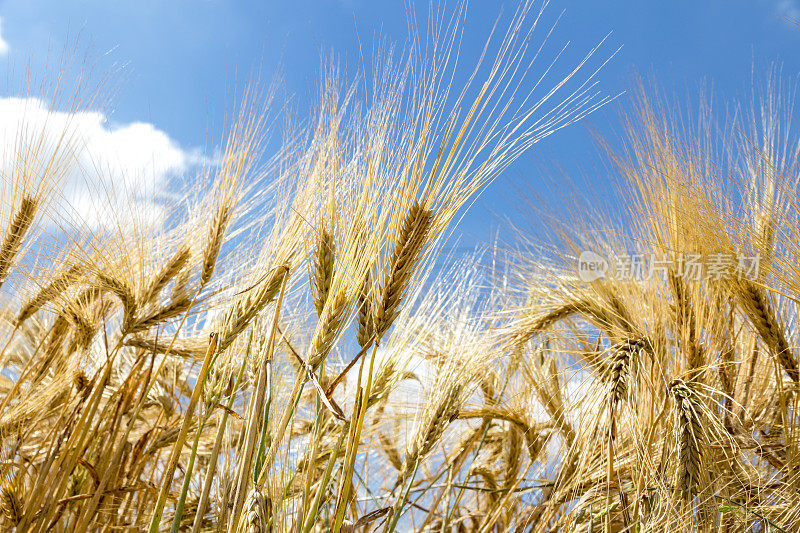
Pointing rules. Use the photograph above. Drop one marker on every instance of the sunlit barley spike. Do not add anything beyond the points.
(216, 235)
(428, 433)
(12, 242)
(690, 433)
(11, 504)
(125, 296)
(445, 412)
(364, 324)
(686, 323)
(168, 312)
(179, 349)
(53, 346)
(171, 269)
(388, 448)
(49, 292)
(83, 330)
(757, 306)
(79, 312)
(619, 369)
(330, 326)
(249, 304)
(180, 289)
(324, 258)
(383, 382)
(546, 320)
(513, 453)
(488, 476)
(434, 423)
(402, 263)
(255, 515)
(88, 297)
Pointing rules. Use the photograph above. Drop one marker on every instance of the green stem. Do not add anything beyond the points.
(176, 521)
(212, 466)
(169, 471)
(400, 503)
(254, 416)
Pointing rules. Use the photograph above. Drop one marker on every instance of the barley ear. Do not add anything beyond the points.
(11, 504)
(758, 308)
(365, 326)
(170, 270)
(20, 224)
(216, 235)
(689, 430)
(47, 293)
(405, 255)
(323, 269)
(255, 518)
(125, 296)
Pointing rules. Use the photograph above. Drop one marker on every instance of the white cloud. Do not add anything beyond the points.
(108, 166)
(3, 43)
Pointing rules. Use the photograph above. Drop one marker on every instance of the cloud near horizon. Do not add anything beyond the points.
(108, 166)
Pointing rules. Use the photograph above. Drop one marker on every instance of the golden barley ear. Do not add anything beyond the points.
(541, 322)
(330, 325)
(443, 408)
(365, 325)
(245, 309)
(323, 269)
(80, 380)
(48, 293)
(405, 255)
(690, 431)
(170, 270)
(620, 367)
(757, 306)
(257, 513)
(214, 240)
(168, 312)
(11, 503)
(125, 296)
(15, 233)
(188, 349)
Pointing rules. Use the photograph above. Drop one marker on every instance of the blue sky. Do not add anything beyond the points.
(183, 61)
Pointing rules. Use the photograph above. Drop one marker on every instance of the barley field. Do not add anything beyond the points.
(287, 344)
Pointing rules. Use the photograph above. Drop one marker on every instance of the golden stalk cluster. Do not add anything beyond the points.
(280, 354)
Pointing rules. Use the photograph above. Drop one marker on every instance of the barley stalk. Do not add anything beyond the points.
(181, 438)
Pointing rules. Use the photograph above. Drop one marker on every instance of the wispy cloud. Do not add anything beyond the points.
(788, 8)
(111, 166)
(3, 43)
